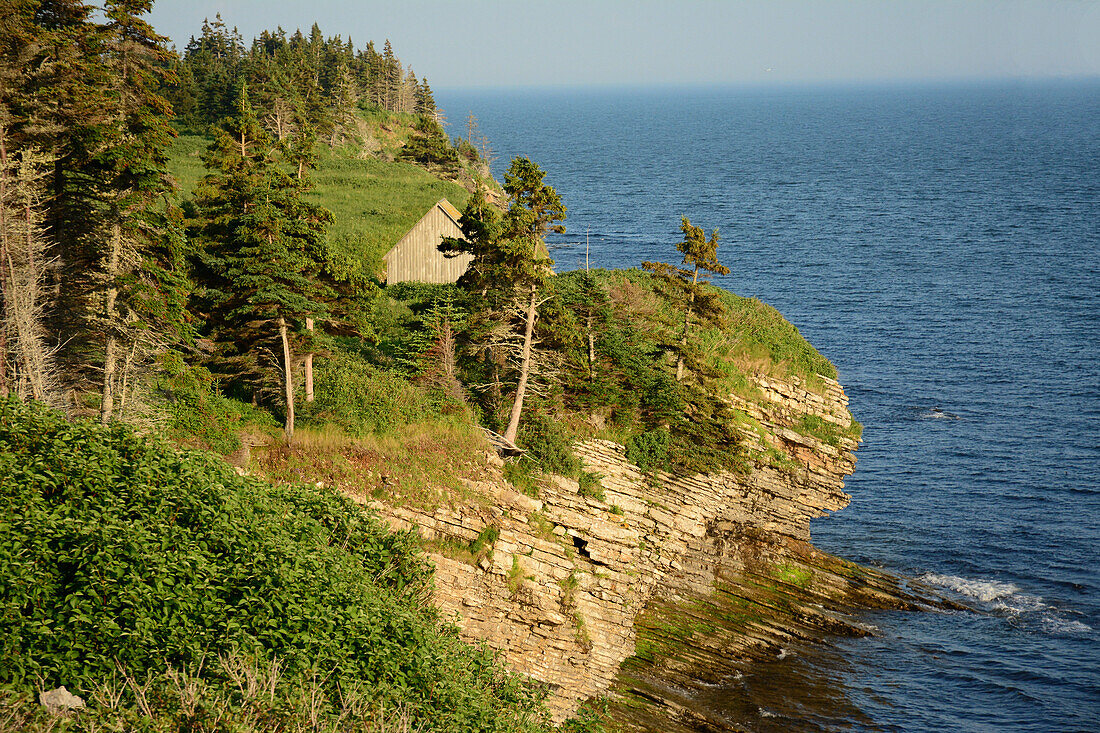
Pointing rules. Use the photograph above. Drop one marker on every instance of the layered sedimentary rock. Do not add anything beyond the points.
(567, 587)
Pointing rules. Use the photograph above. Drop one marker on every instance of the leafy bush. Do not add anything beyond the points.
(120, 552)
(522, 474)
(588, 484)
(360, 398)
(196, 414)
(430, 145)
(649, 450)
(549, 443)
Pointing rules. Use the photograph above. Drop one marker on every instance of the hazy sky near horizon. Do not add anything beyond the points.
(489, 43)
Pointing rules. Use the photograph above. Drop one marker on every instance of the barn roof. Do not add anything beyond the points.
(449, 209)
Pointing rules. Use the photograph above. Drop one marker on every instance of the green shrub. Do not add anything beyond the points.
(521, 473)
(483, 544)
(120, 552)
(649, 450)
(549, 443)
(196, 413)
(588, 484)
(593, 716)
(360, 398)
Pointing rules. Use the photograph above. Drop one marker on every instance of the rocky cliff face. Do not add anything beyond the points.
(664, 571)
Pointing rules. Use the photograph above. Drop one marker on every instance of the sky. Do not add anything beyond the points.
(461, 44)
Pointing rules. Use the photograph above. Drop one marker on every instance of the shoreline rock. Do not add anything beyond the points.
(573, 587)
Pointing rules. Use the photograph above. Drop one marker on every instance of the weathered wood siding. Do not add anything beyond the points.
(416, 257)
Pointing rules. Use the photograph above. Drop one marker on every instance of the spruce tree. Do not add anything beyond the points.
(511, 266)
(263, 252)
(136, 282)
(425, 100)
(700, 257)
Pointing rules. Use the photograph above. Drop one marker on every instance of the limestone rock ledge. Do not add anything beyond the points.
(562, 591)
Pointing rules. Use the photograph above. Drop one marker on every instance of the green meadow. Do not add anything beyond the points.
(374, 202)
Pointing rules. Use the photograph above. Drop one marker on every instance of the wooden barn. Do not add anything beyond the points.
(416, 258)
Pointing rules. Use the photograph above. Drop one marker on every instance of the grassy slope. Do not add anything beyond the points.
(373, 202)
(754, 336)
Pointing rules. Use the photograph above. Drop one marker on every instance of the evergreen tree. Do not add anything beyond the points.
(511, 267)
(214, 60)
(700, 256)
(132, 168)
(345, 102)
(425, 100)
(391, 78)
(263, 252)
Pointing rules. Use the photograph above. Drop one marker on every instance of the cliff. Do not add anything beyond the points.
(662, 577)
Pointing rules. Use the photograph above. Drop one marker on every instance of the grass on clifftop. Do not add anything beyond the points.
(753, 337)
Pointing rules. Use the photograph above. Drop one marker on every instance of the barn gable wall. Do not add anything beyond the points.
(416, 257)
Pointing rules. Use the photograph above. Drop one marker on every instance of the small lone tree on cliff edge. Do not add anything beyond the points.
(699, 263)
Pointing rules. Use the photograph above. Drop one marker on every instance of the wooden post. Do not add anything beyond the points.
(591, 336)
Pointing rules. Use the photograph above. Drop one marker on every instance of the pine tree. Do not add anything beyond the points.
(510, 267)
(214, 60)
(700, 256)
(391, 78)
(345, 101)
(132, 169)
(66, 119)
(425, 100)
(263, 250)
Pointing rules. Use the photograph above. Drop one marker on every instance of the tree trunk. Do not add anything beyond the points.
(687, 325)
(110, 356)
(524, 368)
(288, 428)
(591, 350)
(110, 366)
(4, 294)
(309, 365)
(127, 367)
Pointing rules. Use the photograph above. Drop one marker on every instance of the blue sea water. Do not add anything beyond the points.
(941, 245)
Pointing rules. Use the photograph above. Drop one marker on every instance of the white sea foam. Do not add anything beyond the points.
(986, 591)
(1008, 600)
(783, 654)
(767, 713)
(1058, 625)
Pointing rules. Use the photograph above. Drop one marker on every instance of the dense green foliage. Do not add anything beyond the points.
(362, 399)
(298, 80)
(119, 552)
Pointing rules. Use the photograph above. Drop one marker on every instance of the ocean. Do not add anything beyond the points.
(941, 245)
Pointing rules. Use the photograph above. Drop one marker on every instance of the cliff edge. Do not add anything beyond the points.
(674, 576)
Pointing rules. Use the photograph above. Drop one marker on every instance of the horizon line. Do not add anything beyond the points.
(763, 84)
